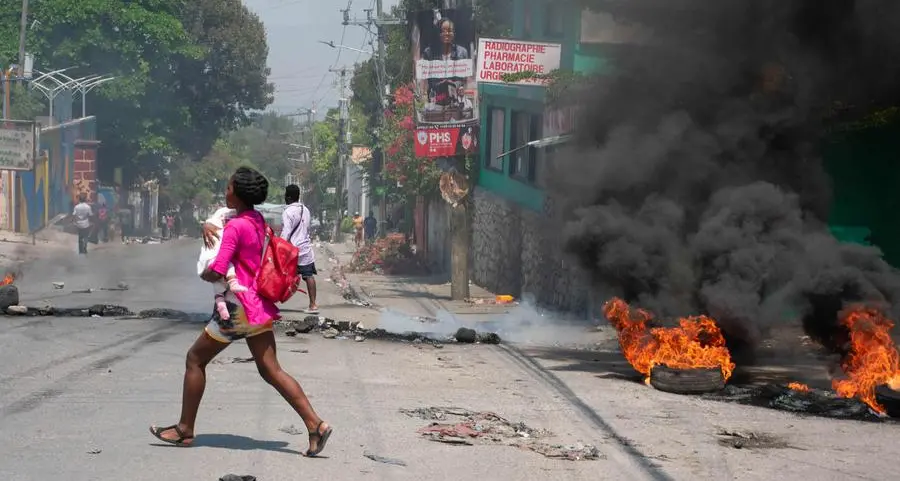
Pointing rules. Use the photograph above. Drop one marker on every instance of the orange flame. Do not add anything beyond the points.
(8, 279)
(797, 386)
(872, 361)
(696, 343)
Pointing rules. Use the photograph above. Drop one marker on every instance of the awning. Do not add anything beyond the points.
(541, 143)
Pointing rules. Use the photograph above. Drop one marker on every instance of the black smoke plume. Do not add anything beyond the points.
(697, 183)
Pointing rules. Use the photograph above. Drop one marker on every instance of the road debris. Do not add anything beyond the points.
(781, 397)
(59, 285)
(382, 459)
(467, 427)
(235, 477)
(232, 360)
(466, 335)
(750, 440)
(359, 338)
(300, 351)
(16, 310)
(292, 430)
(331, 333)
(95, 451)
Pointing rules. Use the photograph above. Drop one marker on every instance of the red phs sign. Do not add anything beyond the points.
(446, 142)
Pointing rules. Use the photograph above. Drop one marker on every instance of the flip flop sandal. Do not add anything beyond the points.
(323, 439)
(182, 441)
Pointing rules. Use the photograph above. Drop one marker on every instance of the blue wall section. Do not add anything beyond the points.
(45, 191)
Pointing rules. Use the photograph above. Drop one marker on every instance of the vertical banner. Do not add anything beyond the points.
(443, 44)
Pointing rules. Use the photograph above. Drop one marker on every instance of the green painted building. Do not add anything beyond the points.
(511, 253)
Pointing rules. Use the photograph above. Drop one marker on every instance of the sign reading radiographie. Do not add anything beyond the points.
(443, 44)
(17, 145)
(499, 57)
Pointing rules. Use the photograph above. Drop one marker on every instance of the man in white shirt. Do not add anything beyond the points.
(82, 219)
(295, 221)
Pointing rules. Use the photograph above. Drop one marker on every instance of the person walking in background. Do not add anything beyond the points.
(103, 221)
(251, 316)
(295, 222)
(357, 229)
(82, 214)
(170, 225)
(370, 225)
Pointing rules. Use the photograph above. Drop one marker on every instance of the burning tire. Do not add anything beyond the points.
(686, 381)
(9, 296)
(890, 399)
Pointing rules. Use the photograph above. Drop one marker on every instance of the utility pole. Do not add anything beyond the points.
(342, 150)
(23, 24)
(460, 233)
(378, 22)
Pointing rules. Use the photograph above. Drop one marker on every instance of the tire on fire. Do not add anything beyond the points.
(687, 381)
(9, 296)
(890, 399)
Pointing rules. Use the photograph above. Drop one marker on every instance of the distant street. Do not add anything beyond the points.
(77, 395)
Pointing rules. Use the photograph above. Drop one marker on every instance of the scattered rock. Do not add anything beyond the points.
(488, 338)
(359, 338)
(305, 325)
(59, 285)
(290, 333)
(17, 310)
(82, 291)
(232, 360)
(235, 477)
(95, 451)
(107, 310)
(9, 296)
(382, 459)
(466, 335)
(300, 351)
(330, 333)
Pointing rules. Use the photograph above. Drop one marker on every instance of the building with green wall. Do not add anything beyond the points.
(513, 252)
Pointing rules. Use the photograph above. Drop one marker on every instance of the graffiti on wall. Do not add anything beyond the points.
(48, 189)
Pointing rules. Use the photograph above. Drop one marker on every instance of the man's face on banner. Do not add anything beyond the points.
(448, 33)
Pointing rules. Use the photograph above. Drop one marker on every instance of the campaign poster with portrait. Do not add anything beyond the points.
(444, 48)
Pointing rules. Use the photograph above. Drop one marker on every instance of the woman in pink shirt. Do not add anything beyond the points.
(251, 318)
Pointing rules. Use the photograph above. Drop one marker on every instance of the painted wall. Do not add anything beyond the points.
(34, 197)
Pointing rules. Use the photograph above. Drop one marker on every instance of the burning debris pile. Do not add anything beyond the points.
(696, 343)
(390, 255)
(872, 361)
(696, 185)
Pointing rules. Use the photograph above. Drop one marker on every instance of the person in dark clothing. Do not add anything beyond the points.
(370, 225)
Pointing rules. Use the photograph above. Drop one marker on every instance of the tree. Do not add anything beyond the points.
(185, 71)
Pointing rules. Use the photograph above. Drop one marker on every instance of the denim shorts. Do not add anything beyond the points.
(307, 271)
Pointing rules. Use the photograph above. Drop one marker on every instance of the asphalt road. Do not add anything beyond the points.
(77, 394)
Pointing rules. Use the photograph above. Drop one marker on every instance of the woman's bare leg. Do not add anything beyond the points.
(203, 351)
(263, 349)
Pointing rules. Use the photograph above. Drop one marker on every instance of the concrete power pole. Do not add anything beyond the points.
(460, 228)
(23, 24)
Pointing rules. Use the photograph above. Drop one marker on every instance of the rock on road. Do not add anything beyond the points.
(77, 395)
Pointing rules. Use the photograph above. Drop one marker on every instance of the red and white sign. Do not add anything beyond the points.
(498, 57)
(436, 142)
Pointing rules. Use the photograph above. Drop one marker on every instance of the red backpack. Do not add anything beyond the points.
(277, 279)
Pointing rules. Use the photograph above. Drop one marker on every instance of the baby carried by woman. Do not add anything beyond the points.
(225, 289)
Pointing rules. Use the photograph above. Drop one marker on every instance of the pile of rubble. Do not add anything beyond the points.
(462, 426)
(345, 330)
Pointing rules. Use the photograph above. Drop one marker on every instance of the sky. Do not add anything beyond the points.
(300, 64)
